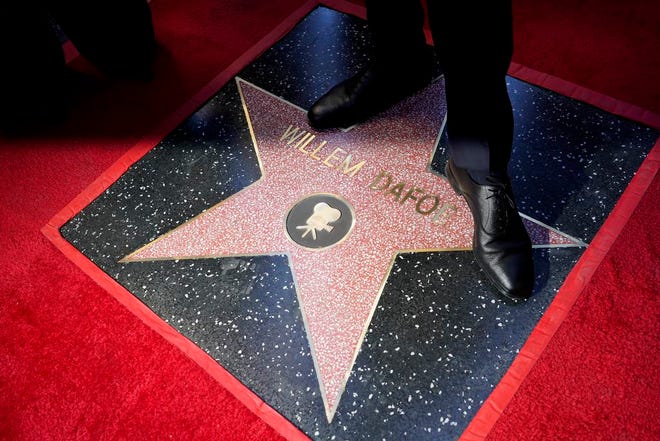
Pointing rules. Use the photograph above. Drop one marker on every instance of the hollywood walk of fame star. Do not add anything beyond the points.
(378, 172)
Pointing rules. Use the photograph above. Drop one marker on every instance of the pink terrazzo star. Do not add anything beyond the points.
(381, 170)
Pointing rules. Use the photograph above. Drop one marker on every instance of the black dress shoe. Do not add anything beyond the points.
(366, 94)
(500, 243)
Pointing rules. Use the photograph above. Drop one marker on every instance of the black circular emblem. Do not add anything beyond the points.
(319, 221)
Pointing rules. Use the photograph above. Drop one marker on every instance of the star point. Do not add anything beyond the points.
(379, 170)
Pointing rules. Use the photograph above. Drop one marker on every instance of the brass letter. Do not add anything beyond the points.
(305, 144)
(418, 206)
(352, 170)
(409, 194)
(333, 156)
(308, 137)
(377, 179)
(316, 150)
(293, 134)
(397, 189)
(443, 213)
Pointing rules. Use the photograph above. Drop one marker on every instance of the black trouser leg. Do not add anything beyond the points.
(474, 43)
(397, 29)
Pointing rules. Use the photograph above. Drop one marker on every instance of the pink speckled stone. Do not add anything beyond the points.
(338, 288)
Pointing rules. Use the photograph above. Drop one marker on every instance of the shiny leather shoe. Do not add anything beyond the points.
(366, 94)
(500, 243)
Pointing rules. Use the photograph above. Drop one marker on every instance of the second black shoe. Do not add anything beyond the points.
(368, 93)
(500, 243)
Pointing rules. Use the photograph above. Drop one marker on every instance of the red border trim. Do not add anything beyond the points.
(347, 7)
(139, 309)
(52, 230)
(581, 274)
(493, 407)
(70, 51)
(578, 278)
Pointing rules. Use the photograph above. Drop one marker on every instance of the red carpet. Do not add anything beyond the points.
(74, 364)
(598, 377)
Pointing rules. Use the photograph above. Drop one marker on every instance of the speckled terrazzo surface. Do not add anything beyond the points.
(352, 341)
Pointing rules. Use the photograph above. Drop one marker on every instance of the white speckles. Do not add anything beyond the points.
(404, 382)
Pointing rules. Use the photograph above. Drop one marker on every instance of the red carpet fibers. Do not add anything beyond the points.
(76, 365)
(609, 46)
(597, 378)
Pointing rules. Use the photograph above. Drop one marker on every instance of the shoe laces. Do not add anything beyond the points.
(501, 192)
